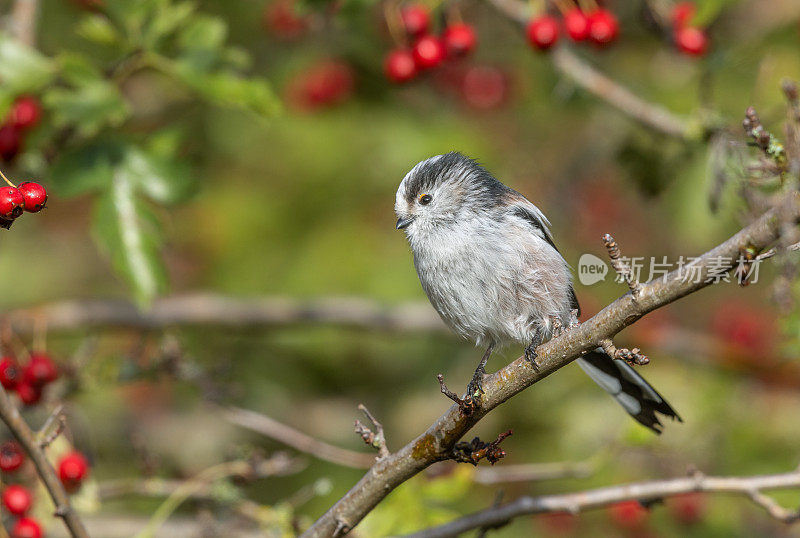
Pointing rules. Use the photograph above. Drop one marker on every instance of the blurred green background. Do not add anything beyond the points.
(276, 197)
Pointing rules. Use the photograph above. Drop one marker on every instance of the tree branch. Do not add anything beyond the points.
(296, 439)
(29, 440)
(750, 486)
(437, 442)
(210, 310)
(600, 85)
(23, 20)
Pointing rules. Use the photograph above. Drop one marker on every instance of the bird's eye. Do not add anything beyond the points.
(425, 199)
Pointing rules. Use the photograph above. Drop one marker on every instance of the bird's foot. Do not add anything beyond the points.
(531, 356)
(470, 402)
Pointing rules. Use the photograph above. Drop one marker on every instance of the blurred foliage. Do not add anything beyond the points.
(154, 142)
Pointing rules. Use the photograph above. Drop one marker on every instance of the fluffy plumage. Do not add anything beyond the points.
(489, 266)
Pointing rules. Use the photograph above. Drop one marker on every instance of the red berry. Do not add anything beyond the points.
(40, 370)
(691, 41)
(26, 527)
(10, 142)
(399, 66)
(17, 499)
(72, 470)
(484, 87)
(34, 195)
(11, 203)
(281, 20)
(603, 27)
(542, 32)
(29, 394)
(628, 514)
(688, 508)
(327, 83)
(11, 456)
(683, 13)
(576, 24)
(428, 52)
(459, 39)
(416, 20)
(26, 112)
(9, 373)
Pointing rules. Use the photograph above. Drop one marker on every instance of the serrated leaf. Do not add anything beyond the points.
(23, 69)
(98, 29)
(129, 232)
(88, 107)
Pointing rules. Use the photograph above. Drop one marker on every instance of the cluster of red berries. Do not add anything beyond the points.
(689, 39)
(25, 113)
(30, 380)
(427, 51)
(18, 500)
(599, 26)
(14, 200)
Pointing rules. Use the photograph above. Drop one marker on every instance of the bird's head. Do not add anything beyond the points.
(444, 190)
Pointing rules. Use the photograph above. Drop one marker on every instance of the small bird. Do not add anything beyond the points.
(490, 268)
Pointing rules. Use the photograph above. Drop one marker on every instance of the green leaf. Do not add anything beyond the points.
(204, 33)
(129, 232)
(168, 19)
(232, 90)
(77, 69)
(98, 29)
(89, 107)
(162, 180)
(88, 169)
(23, 69)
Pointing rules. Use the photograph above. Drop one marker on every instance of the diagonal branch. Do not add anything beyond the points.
(296, 439)
(600, 85)
(29, 440)
(437, 442)
(750, 486)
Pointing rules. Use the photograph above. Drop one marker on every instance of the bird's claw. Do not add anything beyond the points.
(530, 356)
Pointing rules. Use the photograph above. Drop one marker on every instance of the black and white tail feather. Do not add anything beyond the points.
(631, 390)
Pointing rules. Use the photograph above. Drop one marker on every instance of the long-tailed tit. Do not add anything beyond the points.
(487, 262)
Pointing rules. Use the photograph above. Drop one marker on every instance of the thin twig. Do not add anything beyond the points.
(213, 310)
(10, 415)
(750, 486)
(298, 440)
(620, 264)
(634, 356)
(51, 428)
(23, 20)
(375, 439)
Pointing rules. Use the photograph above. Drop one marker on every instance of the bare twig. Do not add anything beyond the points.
(620, 264)
(210, 310)
(531, 472)
(9, 414)
(751, 486)
(23, 20)
(437, 442)
(634, 356)
(375, 439)
(467, 404)
(298, 440)
(51, 428)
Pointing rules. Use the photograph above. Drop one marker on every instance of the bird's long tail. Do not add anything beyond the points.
(619, 379)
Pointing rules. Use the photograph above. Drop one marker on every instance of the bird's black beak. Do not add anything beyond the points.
(403, 222)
